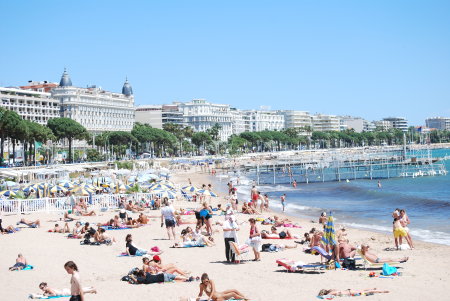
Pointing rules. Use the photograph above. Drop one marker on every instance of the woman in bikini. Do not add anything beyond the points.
(207, 286)
(375, 259)
(350, 292)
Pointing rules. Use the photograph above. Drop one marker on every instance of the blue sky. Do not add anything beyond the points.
(364, 58)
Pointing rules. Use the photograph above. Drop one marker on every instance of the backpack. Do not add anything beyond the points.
(349, 263)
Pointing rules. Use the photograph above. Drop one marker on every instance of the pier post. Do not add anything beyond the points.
(274, 174)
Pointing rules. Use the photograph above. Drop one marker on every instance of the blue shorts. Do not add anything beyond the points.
(169, 277)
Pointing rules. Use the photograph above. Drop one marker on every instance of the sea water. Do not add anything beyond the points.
(362, 204)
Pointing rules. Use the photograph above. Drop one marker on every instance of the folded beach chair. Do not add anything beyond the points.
(322, 252)
(298, 266)
(240, 251)
(368, 264)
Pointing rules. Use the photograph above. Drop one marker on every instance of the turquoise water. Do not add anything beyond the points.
(361, 204)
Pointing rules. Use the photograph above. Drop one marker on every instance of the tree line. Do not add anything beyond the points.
(176, 139)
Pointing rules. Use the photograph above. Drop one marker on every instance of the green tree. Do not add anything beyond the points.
(201, 139)
(10, 122)
(66, 128)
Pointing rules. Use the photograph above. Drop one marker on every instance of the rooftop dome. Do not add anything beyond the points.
(127, 89)
(65, 79)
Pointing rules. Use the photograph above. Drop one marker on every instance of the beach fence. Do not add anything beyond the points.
(59, 205)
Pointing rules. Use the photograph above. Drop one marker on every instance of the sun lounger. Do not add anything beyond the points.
(322, 252)
(240, 251)
(298, 266)
(368, 264)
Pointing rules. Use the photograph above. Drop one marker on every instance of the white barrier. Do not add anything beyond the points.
(100, 201)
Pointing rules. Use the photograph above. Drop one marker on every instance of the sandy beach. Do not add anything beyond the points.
(425, 275)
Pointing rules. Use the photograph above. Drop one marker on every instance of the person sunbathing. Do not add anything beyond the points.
(274, 234)
(142, 277)
(8, 230)
(375, 259)
(132, 223)
(21, 263)
(350, 292)
(133, 208)
(280, 222)
(208, 287)
(32, 224)
(154, 266)
(346, 250)
(276, 247)
(77, 230)
(80, 211)
(58, 229)
(143, 219)
(246, 209)
(103, 238)
(50, 292)
(316, 240)
(68, 216)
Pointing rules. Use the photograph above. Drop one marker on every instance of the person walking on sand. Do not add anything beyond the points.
(168, 218)
(283, 200)
(255, 239)
(76, 291)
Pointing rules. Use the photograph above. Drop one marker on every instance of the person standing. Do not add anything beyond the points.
(283, 200)
(168, 217)
(230, 227)
(76, 291)
(255, 239)
(234, 200)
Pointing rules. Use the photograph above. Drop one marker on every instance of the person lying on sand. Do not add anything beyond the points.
(32, 224)
(143, 219)
(50, 292)
(208, 287)
(58, 229)
(21, 263)
(375, 259)
(141, 277)
(350, 292)
(274, 233)
(276, 247)
(8, 230)
(154, 266)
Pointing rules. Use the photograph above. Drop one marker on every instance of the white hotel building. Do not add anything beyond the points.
(323, 123)
(30, 105)
(256, 121)
(95, 109)
(202, 116)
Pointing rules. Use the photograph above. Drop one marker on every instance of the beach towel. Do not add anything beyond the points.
(294, 266)
(26, 268)
(48, 297)
(188, 246)
(327, 297)
(388, 270)
(114, 228)
(279, 238)
(291, 226)
(124, 254)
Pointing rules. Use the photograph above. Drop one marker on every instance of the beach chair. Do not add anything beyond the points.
(298, 266)
(322, 252)
(240, 251)
(368, 264)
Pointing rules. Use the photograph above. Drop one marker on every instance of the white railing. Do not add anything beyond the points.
(94, 202)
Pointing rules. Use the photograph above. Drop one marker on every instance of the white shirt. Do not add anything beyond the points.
(227, 225)
(167, 212)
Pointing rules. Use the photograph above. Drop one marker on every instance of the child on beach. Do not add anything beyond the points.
(76, 291)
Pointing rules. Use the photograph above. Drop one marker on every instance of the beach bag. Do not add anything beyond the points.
(388, 270)
(349, 263)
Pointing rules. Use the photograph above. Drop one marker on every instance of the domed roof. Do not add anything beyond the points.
(127, 89)
(65, 79)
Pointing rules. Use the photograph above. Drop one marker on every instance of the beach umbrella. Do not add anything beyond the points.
(165, 194)
(8, 193)
(124, 187)
(67, 185)
(30, 188)
(160, 187)
(329, 235)
(81, 191)
(206, 192)
(189, 188)
(58, 188)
